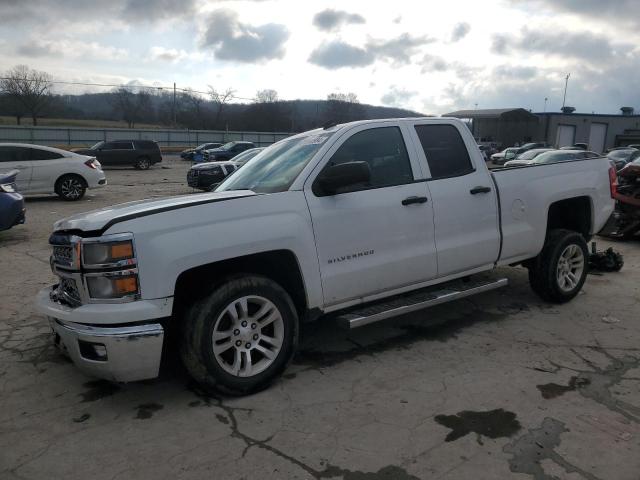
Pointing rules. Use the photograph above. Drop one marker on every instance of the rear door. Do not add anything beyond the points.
(16, 158)
(47, 167)
(369, 238)
(464, 199)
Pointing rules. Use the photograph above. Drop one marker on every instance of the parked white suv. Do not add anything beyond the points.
(51, 170)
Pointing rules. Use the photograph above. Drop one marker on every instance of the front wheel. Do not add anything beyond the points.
(70, 187)
(559, 272)
(142, 163)
(241, 337)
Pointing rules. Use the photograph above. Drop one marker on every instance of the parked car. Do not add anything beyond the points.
(190, 152)
(227, 151)
(12, 211)
(361, 221)
(527, 155)
(247, 155)
(140, 154)
(620, 157)
(499, 158)
(575, 146)
(51, 170)
(553, 156)
(207, 176)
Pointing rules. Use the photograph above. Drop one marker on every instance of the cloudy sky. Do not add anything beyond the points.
(432, 57)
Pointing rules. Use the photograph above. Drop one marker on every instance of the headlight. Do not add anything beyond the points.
(7, 188)
(106, 286)
(115, 253)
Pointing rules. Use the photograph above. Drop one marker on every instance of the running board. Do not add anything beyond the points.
(419, 300)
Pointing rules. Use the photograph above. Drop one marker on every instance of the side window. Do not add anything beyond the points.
(36, 154)
(384, 150)
(121, 146)
(11, 154)
(445, 150)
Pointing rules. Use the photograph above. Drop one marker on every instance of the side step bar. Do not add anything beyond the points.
(418, 300)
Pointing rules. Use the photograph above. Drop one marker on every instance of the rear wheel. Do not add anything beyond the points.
(559, 272)
(241, 337)
(143, 163)
(70, 187)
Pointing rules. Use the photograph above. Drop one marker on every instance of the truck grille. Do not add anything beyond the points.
(63, 254)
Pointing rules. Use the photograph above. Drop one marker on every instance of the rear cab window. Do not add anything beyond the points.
(445, 150)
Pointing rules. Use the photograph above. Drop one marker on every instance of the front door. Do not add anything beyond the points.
(16, 158)
(464, 200)
(376, 237)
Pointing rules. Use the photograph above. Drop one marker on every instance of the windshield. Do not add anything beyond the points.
(97, 146)
(530, 154)
(227, 146)
(276, 167)
(620, 154)
(552, 157)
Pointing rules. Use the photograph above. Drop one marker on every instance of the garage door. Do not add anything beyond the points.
(566, 134)
(597, 137)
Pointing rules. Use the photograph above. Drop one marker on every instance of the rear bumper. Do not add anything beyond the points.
(97, 181)
(121, 354)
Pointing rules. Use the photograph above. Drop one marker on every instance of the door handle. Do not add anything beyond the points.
(476, 190)
(412, 200)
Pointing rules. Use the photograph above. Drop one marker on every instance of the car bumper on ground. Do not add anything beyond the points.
(122, 352)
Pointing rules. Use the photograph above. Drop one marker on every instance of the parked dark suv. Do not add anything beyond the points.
(207, 176)
(141, 154)
(227, 151)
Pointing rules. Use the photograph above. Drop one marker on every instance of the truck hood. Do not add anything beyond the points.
(101, 219)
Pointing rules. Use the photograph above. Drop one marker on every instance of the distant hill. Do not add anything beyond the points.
(156, 111)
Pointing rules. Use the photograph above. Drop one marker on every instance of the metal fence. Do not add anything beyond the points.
(77, 136)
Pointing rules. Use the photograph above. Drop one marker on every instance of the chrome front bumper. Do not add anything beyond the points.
(121, 354)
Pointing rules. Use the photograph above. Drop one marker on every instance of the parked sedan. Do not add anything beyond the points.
(51, 170)
(207, 176)
(554, 156)
(140, 154)
(621, 157)
(11, 202)
(227, 151)
(528, 155)
(190, 152)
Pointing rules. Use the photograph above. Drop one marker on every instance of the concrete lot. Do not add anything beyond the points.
(498, 386)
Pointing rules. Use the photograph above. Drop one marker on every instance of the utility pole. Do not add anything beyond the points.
(174, 104)
(566, 82)
(545, 104)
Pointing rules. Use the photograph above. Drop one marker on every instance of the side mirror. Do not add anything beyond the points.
(340, 176)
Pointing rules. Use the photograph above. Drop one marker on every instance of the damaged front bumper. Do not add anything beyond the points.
(123, 352)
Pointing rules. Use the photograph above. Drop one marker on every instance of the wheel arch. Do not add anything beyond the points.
(575, 213)
(281, 266)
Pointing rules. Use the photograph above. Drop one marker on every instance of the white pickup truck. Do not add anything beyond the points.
(363, 221)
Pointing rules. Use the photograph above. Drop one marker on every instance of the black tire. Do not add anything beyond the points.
(202, 318)
(543, 270)
(142, 163)
(70, 187)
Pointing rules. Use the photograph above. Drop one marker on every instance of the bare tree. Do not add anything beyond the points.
(343, 107)
(131, 105)
(29, 88)
(343, 97)
(266, 96)
(220, 100)
(194, 103)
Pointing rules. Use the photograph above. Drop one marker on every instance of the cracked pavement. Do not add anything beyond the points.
(501, 385)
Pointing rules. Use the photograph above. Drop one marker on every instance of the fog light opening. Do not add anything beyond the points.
(93, 351)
